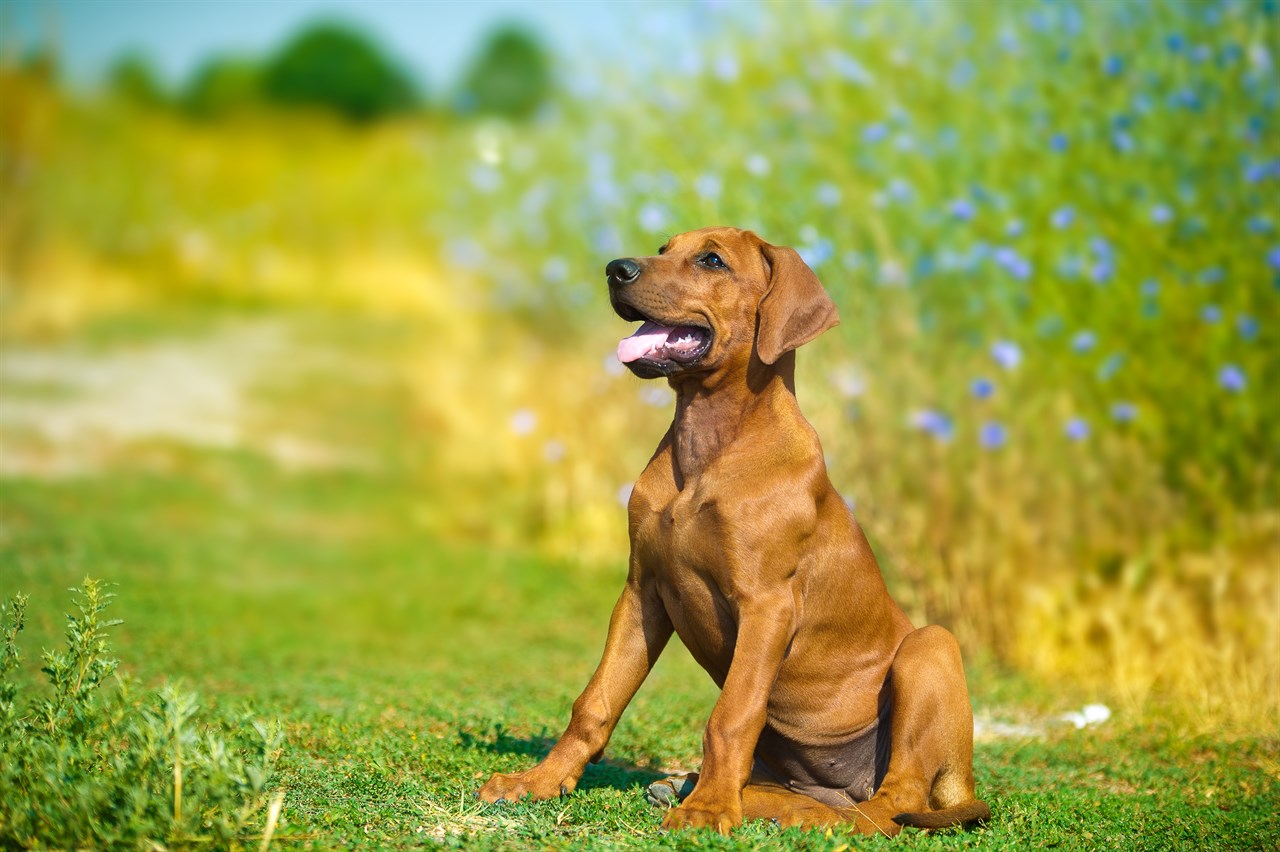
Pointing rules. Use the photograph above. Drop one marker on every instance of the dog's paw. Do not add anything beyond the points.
(691, 815)
(669, 792)
(533, 783)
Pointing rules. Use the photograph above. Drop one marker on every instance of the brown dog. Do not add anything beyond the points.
(832, 707)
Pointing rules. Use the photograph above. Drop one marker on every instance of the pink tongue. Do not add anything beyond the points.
(646, 339)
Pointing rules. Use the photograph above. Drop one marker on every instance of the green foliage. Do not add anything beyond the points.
(333, 66)
(510, 77)
(133, 79)
(85, 769)
(222, 86)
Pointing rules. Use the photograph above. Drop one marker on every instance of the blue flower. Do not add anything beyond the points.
(1012, 262)
(1151, 288)
(1006, 354)
(828, 194)
(1058, 143)
(1260, 225)
(1161, 214)
(1112, 66)
(1110, 367)
(874, 133)
(1062, 217)
(1231, 378)
(652, 217)
(816, 253)
(935, 423)
(1247, 326)
(992, 435)
(1122, 141)
(708, 186)
(1102, 271)
(555, 270)
(1124, 412)
(727, 67)
(1273, 258)
(962, 209)
(1077, 429)
(1013, 229)
(982, 388)
(1083, 342)
(1258, 172)
(1211, 313)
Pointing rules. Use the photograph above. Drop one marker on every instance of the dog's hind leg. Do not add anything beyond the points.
(929, 782)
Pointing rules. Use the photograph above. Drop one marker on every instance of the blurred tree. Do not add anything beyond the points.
(510, 77)
(222, 85)
(331, 65)
(132, 78)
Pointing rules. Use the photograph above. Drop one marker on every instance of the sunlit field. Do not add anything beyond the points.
(336, 407)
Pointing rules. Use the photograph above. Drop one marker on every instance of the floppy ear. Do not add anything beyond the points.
(795, 309)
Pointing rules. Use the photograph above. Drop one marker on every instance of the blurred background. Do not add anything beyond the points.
(355, 251)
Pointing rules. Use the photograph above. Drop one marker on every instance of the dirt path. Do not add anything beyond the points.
(71, 409)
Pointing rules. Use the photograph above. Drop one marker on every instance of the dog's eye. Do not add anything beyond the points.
(712, 260)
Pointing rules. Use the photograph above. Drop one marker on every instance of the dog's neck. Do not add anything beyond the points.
(712, 410)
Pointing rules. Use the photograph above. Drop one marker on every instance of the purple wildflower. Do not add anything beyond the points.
(1062, 217)
(653, 217)
(1160, 214)
(982, 388)
(708, 186)
(1247, 326)
(828, 194)
(1012, 262)
(1006, 354)
(1124, 412)
(1083, 342)
(993, 435)
(1273, 258)
(874, 133)
(1231, 378)
(962, 209)
(1077, 429)
(935, 423)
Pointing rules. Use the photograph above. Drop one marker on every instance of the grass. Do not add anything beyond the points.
(334, 410)
(404, 669)
(1049, 229)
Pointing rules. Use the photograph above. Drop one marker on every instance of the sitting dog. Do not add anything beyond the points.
(833, 708)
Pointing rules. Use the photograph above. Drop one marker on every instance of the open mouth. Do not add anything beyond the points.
(664, 346)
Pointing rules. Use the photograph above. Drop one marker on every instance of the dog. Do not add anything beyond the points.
(833, 707)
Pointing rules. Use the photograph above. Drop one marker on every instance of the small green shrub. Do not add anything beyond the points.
(333, 66)
(91, 767)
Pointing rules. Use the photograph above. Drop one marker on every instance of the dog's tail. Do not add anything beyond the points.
(969, 813)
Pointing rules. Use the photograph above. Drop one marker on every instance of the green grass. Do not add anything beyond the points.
(405, 669)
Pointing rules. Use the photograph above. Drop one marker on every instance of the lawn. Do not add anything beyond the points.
(302, 580)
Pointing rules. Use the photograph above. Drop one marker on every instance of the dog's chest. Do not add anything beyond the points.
(682, 546)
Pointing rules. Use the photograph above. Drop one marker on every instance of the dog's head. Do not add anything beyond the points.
(716, 297)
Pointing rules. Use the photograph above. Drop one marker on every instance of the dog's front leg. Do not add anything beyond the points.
(638, 631)
(765, 627)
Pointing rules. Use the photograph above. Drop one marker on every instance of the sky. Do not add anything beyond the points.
(434, 40)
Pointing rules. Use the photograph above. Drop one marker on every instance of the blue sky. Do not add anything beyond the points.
(432, 39)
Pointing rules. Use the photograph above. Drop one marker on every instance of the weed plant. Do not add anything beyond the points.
(94, 765)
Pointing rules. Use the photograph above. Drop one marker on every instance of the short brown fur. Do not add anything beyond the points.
(833, 708)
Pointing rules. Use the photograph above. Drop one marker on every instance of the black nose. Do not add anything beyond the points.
(624, 270)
